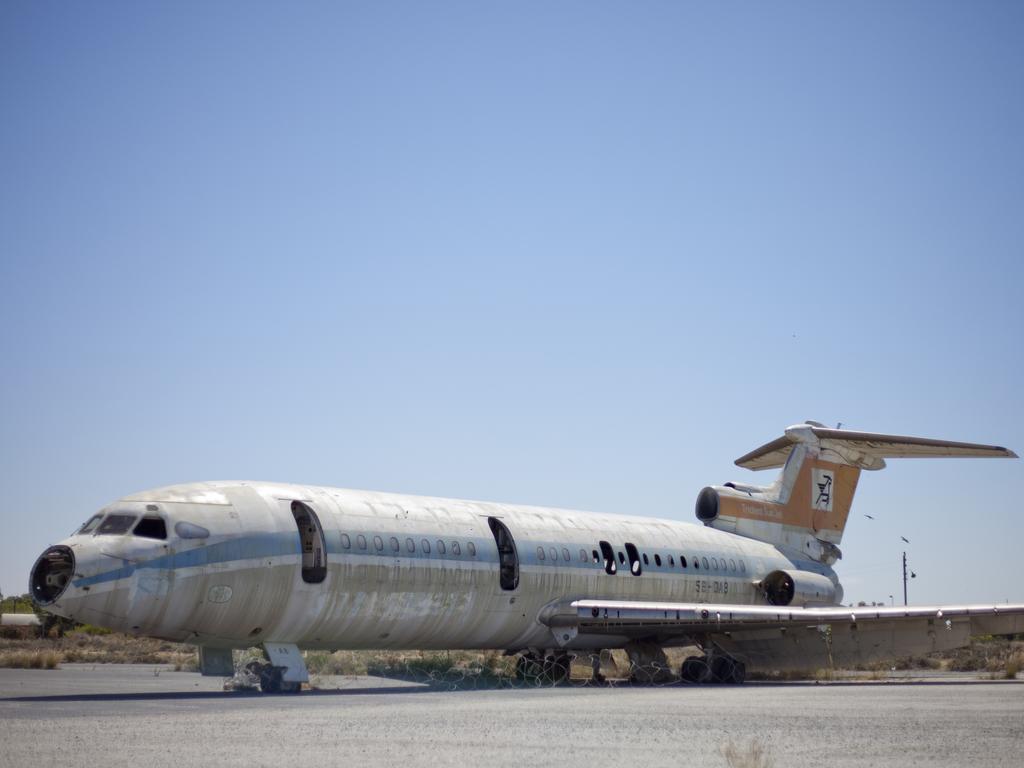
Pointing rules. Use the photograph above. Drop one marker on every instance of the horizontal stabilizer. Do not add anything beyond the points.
(865, 449)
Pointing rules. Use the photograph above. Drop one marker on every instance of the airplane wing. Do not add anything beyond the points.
(784, 637)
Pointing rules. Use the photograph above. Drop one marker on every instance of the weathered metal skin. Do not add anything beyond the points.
(243, 585)
(237, 564)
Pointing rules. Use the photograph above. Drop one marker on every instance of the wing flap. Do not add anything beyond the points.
(618, 617)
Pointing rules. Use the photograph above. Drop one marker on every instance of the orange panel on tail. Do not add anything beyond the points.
(820, 500)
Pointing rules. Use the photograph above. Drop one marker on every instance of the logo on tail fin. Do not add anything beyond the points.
(821, 490)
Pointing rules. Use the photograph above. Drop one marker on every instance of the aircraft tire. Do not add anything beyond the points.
(722, 668)
(271, 682)
(695, 671)
(739, 672)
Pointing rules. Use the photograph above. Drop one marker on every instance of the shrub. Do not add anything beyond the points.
(30, 659)
(90, 629)
(1013, 666)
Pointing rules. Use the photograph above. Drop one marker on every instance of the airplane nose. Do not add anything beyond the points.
(51, 574)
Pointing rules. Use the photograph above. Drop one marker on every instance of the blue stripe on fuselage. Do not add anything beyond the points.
(240, 548)
(257, 546)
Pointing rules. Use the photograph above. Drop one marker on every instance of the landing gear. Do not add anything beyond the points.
(713, 669)
(270, 678)
(595, 668)
(695, 671)
(725, 669)
(648, 664)
(529, 669)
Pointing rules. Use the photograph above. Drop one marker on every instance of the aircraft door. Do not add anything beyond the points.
(313, 545)
(508, 557)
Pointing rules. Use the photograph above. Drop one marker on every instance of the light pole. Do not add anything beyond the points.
(912, 575)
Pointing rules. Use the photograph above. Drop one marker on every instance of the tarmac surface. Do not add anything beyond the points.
(152, 716)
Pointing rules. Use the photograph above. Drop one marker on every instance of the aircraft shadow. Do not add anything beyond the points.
(405, 690)
(223, 695)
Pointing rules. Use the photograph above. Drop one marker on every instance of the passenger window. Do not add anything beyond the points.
(622, 559)
(378, 542)
(410, 545)
(657, 560)
(671, 562)
(646, 561)
(440, 547)
(743, 567)
(151, 528)
(113, 525)
(597, 558)
(682, 561)
(395, 546)
(456, 549)
(704, 562)
(714, 564)
(471, 549)
(566, 556)
(696, 562)
(361, 541)
(583, 556)
(346, 542)
(90, 524)
(540, 553)
(732, 564)
(554, 554)
(425, 546)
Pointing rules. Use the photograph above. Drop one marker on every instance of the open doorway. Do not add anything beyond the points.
(508, 558)
(313, 547)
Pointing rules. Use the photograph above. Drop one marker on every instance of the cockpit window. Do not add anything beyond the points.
(90, 524)
(151, 528)
(115, 524)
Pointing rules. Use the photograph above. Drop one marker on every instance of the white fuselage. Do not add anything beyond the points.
(243, 583)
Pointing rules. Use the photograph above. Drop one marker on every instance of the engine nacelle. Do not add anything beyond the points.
(709, 500)
(799, 588)
(707, 505)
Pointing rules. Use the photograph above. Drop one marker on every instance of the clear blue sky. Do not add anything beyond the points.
(578, 254)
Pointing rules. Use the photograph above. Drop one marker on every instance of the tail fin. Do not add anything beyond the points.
(806, 508)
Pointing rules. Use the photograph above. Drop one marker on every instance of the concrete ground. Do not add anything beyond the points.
(149, 716)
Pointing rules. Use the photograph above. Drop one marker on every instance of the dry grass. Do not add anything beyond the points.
(754, 754)
(18, 633)
(994, 658)
(784, 675)
(480, 664)
(991, 655)
(83, 647)
(1006, 669)
(1014, 664)
(30, 659)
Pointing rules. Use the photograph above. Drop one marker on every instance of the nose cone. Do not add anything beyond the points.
(51, 574)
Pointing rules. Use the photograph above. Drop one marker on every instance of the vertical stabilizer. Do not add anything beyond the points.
(805, 510)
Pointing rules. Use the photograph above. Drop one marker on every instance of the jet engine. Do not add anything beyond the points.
(798, 588)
